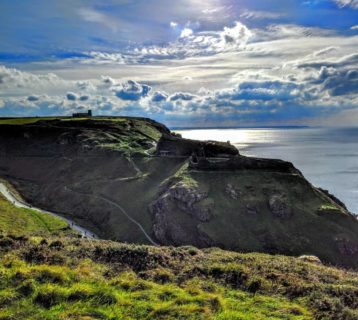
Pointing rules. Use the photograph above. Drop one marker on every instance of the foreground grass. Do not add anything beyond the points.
(21, 221)
(71, 278)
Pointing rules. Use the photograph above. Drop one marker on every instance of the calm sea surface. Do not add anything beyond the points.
(327, 157)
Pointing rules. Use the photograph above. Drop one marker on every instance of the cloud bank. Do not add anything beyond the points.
(278, 74)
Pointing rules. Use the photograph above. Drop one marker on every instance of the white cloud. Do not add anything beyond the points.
(173, 24)
(132, 90)
(71, 96)
(347, 3)
(186, 32)
(260, 15)
(354, 27)
(278, 73)
(91, 15)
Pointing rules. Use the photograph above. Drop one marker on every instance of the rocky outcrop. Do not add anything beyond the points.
(239, 162)
(232, 192)
(186, 200)
(279, 206)
(177, 146)
(310, 258)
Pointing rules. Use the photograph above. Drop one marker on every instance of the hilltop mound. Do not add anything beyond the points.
(131, 179)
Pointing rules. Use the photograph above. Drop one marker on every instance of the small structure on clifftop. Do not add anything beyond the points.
(87, 114)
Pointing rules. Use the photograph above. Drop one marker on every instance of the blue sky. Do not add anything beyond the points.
(185, 62)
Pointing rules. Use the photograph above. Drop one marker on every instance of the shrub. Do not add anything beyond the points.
(254, 285)
(103, 297)
(26, 289)
(48, 275)
(48, 298)
(43, 242)
(162, 276)
(34, 255)
(57, 244)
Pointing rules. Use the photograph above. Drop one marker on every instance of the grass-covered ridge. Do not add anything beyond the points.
(128, 136)
(69, 278)
(21, 221)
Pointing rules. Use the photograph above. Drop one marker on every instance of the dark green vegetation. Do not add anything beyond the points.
(131, 179)
(70, 278)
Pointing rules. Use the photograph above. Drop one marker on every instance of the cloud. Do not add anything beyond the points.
(33, 98)
(347, 3)
(338, 82)
(71, 96)
(354, 27)
(159, 96)
(84, 98)
(260, 15)
(351, 59)
(132, 91)
(184, 96)
(275, 73)
(15, 80)
(186, 32)
(91, 15)
(173, 24)
(201, 43)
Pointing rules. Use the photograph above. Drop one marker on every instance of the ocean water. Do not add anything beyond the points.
(328, 157)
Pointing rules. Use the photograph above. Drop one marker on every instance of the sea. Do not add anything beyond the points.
(328, 157)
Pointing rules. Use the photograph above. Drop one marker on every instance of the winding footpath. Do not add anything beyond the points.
(111, 202)
(20, 204)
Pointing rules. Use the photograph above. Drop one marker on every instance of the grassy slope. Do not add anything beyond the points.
(231, 227)
(64, 278)
(51, 277)
(20, 221)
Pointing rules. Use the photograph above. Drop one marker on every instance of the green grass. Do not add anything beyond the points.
(22, 121)
(328, 207)
(79, 279)
(184, 176)
(21, 221)
(85, 292)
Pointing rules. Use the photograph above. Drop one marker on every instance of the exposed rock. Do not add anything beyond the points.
(239, 162)
(279, 206)
(251, 209)
(310, 258)
(187, 199)
(187, 196)
(174, 145)
(232, 192)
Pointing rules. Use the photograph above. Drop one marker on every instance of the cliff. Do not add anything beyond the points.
(132, 180)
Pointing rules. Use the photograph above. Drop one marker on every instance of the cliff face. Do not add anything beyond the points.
(121, 176)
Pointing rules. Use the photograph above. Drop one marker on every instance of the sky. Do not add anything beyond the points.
(187, 63)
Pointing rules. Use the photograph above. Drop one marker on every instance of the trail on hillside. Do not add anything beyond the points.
(9, 195)
(103, 198)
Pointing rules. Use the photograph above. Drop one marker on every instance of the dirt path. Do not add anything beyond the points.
(122, 210)
(4, 190)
